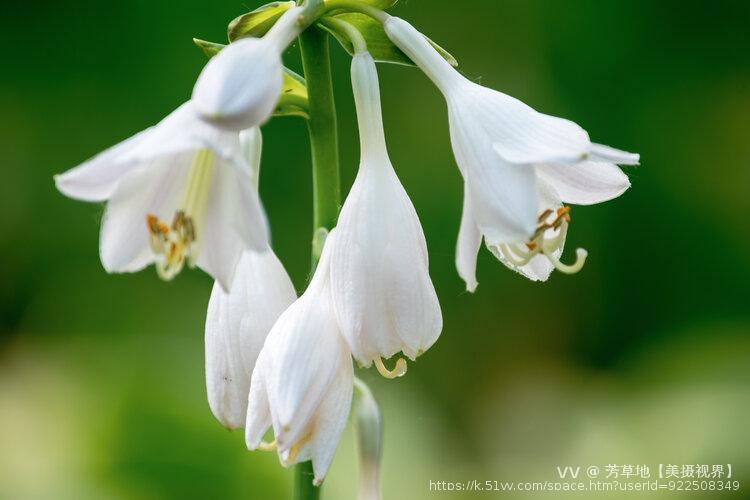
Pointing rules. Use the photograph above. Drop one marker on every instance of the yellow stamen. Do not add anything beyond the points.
(398, 370)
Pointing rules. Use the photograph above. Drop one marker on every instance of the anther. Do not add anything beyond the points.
(398, 370)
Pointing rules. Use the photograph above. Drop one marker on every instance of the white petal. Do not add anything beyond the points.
(467, 248)
(240, 86)
(601, 153)
(585, 183)
(237, 324)
(332, 416)
(303, 345)
(503, 194)
(251, 146)
(258, 418)
(383, 295)
(234, 221)
(97, 179)
(155, 189)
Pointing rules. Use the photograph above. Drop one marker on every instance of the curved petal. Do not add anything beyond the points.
(467, 247)
(258, 419)
(234, 222)
(332, 416)
(503, 194)
(601, 153)
(585, 183)
(237, 324)
(520, 134)
(97, 178)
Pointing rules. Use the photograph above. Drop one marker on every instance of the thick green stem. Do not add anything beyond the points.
(321, 125)
(303, 482)
(322, 130)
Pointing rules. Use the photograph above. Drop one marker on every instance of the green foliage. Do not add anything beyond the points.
(258, 22)
(378, 44)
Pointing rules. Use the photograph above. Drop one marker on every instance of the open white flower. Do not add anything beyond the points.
(302, 383)
(240, 86)
(384, 299)
(238, 322)
(178, 193)
(505, 150)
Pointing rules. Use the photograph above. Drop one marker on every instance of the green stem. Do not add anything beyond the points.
(356, 6)
(303, 482)
(321, 126)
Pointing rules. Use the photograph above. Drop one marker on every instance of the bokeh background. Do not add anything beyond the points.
(642, 358)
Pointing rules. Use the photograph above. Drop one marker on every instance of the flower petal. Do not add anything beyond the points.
(234, 222)
(584, 183)
(258, 418)
(606, 154)
(97, 178)
(332, 416)
(503, 195)
(237, 324)
(520, 134)
(467, 247)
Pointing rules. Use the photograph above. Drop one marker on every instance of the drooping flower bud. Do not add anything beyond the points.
(240, 86)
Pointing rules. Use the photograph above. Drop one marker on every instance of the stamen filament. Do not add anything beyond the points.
(398, 370)
(264, 446)
(581, 255)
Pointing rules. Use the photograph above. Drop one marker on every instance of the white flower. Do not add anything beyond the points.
(179, 192)
(383, 296)
(238, 322)
(302, 383)
(240, 86)
(507, 152)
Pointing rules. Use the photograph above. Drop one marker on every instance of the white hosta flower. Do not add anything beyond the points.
(505, 150)
(238, 322)
(302, 383)
(384, 299)
(177, 193)
(240, 86)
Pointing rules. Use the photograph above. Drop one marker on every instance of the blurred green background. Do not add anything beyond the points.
(642, 358)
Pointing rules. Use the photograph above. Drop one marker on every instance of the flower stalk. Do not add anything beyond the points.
(321, 126)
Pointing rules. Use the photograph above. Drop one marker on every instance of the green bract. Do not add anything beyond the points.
(378, 44)
(257, 22)
(293, 100)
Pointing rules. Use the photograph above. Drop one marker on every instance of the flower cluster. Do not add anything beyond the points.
(185, 191)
